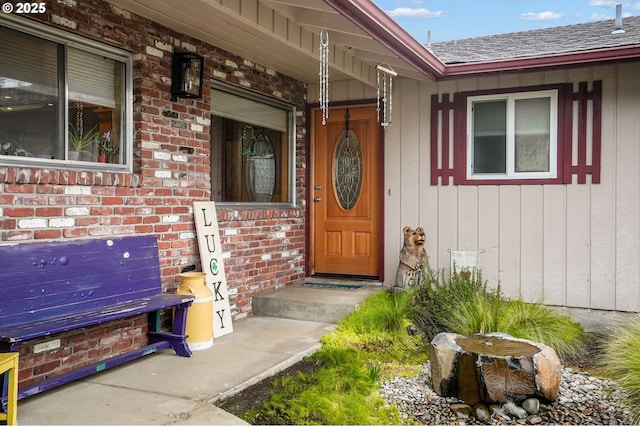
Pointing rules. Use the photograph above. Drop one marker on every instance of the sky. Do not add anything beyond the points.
(458, 19)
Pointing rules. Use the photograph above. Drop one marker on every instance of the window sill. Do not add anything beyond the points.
(32, 174)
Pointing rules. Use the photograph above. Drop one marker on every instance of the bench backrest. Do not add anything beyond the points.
(43, 280)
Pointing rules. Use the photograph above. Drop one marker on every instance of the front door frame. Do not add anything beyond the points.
(310, 178)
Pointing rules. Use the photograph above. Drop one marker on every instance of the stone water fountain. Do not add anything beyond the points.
(493, 368)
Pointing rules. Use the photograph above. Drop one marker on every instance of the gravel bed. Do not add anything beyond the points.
(583, 399)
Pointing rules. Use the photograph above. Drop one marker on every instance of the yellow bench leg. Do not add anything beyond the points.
(9, 366)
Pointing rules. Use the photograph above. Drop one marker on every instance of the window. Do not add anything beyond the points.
(62, 99)
(512, 136)
(536, 135)
(252, 147)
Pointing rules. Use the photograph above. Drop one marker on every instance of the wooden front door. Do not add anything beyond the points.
(346, 193)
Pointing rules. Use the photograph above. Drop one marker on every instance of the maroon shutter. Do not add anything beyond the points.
(582, 168)
(440, 151)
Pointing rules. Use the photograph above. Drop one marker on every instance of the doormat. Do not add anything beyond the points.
(332, 286)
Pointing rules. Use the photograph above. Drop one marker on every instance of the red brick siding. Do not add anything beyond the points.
(265, 251)
(80, 348)
(171, 170)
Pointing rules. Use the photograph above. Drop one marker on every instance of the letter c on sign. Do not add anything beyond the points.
(213, 266)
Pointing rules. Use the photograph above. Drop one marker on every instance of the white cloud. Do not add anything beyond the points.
(406, 12)
(604, 3)
(541, 16)
(636, 6)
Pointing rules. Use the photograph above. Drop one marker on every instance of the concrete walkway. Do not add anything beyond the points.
(163, 388)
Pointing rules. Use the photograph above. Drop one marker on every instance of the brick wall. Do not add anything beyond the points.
(51, 356)
(265, 247)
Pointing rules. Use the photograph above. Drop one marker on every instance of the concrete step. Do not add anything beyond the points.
(320, 304)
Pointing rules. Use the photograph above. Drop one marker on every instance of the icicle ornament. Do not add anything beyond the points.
(324, 75)
(384, 82)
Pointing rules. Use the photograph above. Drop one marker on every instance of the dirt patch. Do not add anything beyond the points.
(256, 395)
(589, 360)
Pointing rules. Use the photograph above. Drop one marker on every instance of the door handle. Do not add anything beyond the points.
(316, 199)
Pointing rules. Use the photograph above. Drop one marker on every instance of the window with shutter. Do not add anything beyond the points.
(517, 136)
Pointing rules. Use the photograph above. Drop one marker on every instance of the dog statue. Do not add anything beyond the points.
(413, 258)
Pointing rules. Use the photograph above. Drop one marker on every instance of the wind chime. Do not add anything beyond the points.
(324, 75)
(384, 81)
(79, 119)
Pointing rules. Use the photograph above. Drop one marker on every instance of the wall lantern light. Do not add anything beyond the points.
(186, 75)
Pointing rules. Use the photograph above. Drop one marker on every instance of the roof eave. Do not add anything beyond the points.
(375, 22)
(541, 62)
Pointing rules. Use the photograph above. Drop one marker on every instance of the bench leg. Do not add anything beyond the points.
(177, 338)
(179, 326)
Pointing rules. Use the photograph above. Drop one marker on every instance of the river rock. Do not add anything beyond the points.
(515, 411)
(493, 368)
(531, 405)
(481, 413)
(463, 411)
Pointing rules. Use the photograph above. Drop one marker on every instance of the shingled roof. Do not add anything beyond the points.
(536, 43)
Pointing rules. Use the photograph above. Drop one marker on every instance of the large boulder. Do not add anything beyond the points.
(493, 368)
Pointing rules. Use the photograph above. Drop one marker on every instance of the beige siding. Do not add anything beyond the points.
(555, 240)
(574, 245)
(626, 132)
(603, 202)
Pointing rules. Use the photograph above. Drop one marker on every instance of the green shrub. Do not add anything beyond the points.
(380, 329)
(386, 311)
(465, 305)
(437, 299)
(620, 360)
(537, 322)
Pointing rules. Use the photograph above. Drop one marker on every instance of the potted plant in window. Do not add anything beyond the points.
(106, 147)
(80, 141)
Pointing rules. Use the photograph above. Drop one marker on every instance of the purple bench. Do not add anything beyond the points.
(53, 287)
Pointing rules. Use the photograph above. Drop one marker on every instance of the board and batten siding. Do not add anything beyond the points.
(572, 245)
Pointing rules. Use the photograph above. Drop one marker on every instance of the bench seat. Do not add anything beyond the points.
(54, 287)
(16, 333)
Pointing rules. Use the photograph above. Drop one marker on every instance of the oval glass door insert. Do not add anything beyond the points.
(347, 170)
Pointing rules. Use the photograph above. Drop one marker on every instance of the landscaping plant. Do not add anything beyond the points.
(464, 304)
(437, 298)
(380, 328)
(620, 360)
(344, 386)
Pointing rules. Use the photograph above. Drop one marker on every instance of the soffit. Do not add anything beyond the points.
(280, 34)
